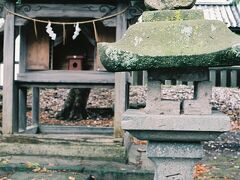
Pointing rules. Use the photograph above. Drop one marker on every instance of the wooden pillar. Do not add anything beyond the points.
(22, 109)
(22, 90)
(233, 78)
(145, 78)
(35, 106)
(179, 82)
(223, 75)
(10, 92)
(212, 76)
(121, 84)
(134, 78)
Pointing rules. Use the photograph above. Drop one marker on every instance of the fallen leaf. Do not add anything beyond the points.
(71, 178)
(200, 170)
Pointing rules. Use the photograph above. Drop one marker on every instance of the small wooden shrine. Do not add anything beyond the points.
(58, 49)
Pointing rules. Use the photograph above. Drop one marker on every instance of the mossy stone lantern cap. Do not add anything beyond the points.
(164, 39)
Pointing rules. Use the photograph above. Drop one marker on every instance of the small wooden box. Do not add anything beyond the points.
(75, 62)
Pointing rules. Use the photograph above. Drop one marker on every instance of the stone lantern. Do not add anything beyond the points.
(174, 45)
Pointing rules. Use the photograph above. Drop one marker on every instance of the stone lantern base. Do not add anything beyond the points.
(174, 129)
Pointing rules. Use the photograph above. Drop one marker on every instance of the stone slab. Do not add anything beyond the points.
(139, 120)
(174, 150)
(171, 15)
(169, 4)
(174, 136)
(172, 44)
(90, 148)
(102, 170)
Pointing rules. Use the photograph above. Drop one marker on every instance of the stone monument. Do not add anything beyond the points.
(179, 45)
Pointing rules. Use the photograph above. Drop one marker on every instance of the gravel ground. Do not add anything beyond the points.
(226, 100)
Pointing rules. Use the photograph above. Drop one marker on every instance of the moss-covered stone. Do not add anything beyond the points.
(169, 4)
(155, 45)
(171, 15)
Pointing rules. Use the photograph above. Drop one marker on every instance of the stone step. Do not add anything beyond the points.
(81, 147)
(56, 167)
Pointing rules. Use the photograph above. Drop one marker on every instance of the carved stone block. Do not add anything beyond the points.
(169, 4)
(165, 107)
(201, 102)
(155, 105)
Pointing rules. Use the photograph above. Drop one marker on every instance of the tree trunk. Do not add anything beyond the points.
(74, 107)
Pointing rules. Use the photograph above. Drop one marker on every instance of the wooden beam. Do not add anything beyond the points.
(63, 10)
(30, 130)
(121, 85)
(67, 76)
(9, 88)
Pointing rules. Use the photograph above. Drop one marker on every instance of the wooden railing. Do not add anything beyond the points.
(220, 77)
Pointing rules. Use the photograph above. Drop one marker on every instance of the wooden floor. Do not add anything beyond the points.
(66, 78)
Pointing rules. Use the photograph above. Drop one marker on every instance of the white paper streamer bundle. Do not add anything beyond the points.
(76, 32)
(49, 30)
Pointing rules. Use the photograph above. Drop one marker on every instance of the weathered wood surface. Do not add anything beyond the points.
(37, 49)
(9, 123)
(58, 129)
(65, 76)
(121, 85)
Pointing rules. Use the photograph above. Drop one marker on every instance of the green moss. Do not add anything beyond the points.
(197, 43)
(172, 15)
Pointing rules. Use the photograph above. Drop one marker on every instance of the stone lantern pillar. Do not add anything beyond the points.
(174, 45)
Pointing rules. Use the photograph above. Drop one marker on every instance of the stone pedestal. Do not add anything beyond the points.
(174, 160)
